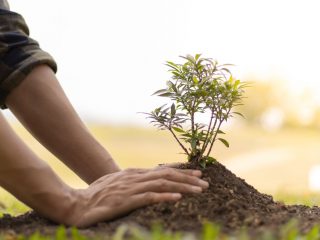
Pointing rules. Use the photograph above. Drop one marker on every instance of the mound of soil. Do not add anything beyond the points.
(229, 202)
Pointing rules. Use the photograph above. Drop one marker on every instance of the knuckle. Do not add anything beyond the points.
(149, 197)
(162, 184)
(126, 178)
(189, 179)
(130, 170)
(168, 172)
(123, 187)
(133, 170)
(117, 199)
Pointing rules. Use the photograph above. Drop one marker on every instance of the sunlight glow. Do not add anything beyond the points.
(111, 53)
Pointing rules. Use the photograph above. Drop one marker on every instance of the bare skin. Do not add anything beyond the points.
(43, 108)
(41, 105)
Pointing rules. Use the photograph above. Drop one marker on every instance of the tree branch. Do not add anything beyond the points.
(205, 143)
(181, 145)
(214, 138)
(215, 135)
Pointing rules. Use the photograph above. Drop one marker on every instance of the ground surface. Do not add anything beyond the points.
(229, 201)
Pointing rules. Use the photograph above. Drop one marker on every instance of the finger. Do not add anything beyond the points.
(136, 170)
(196, 173)
(173, 175)
(191, 172)
(147, 198)
(153, 197)
(163, 185)
(133, 202)
(173, 165)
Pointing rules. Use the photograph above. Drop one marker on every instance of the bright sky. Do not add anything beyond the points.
(110, 54)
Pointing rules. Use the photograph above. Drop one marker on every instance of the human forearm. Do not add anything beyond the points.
(41, 105)
(40, 189)
(30, 179)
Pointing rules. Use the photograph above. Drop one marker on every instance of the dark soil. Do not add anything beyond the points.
(229, 202)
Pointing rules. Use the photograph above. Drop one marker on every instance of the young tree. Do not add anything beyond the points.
(199, 86)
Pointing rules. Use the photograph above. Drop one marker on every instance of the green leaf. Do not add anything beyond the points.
(225, 142)
(61, 233)
(240, 114)
(167, 94)
(226, 70)
(173, 109)
(195, 79)
(236, 84)
(171, 64)
(313, 234)
(177, 74)
(210, 231)
(210, 159)
(197, 56)
(159, 91)
(174, 88)
(76, 235)
(157, 110)
(179, 130)
(120, 233)
(194, 144)
(221, 132)
(186, 135)
(203, 163)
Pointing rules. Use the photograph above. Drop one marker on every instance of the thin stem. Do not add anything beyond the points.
(192, 120)
(199, 75)
(205, 143)
(211, 131)
(192, 115)
(214, 138)
(215, 135)
(181, 145)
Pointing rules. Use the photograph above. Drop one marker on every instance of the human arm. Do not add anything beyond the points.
(41, 105)
(33, 182)
(29, 179)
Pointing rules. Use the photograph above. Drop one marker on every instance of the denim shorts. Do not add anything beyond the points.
(19, 54)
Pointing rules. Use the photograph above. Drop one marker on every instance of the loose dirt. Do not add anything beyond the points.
(229, 202)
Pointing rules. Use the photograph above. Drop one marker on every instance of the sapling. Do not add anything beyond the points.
(198, 88)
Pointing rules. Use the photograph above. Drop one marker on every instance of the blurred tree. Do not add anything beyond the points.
(272, 104)
(316, 118)
(262, 98)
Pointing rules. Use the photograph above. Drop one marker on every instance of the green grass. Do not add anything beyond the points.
(11, 205)
(308, 199)
(209, 232)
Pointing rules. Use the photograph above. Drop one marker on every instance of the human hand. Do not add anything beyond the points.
(118, 193)
(171, 165)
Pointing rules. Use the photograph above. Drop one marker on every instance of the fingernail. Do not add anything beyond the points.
(203, 183)
(176, 195)
(196, 189)
(196, 173)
